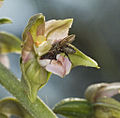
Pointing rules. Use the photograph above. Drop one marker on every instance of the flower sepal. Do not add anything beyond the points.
(80, 59)
(34, 77)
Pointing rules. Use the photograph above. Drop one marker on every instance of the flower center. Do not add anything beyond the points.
(39, 40)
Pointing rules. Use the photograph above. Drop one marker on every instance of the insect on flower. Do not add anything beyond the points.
(60, 47)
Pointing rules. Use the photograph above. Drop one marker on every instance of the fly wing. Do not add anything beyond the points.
(68, 39)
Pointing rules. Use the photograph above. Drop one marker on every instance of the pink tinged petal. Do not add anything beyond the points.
(28, 48)
(109, 91)
(61, 67)
(4, 60)
(56, 30)
(65, 62)
(56, 68)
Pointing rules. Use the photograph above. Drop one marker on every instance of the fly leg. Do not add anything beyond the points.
(67, 56)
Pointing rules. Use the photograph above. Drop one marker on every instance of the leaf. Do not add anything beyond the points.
(9, 43)
(10, 106)
(38, 109)
(80, 59)
(5, 21)
(107, 108)
(74, 108)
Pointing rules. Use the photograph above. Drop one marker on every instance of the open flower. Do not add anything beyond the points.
(47, 49)
(45, 41)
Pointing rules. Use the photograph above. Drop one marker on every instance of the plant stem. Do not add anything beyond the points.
(38, 109)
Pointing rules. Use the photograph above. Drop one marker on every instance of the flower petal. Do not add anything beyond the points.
(109, 90)
(36, 26)
(44, 62)
(42, 48)
(27, 48)
(80, 59)
(56, 68)
(32, 32)
(60, 67)
(65, 62)
(56, 30)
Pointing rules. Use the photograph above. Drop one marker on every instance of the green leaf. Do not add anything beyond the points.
(10, 106)
(80, 59)
(107, 108)
(74, 108)
(38, 109)
(5, 21)
(9, 43)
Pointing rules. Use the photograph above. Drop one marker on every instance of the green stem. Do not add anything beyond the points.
(38, 109)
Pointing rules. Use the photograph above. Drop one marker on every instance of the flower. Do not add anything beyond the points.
(46, 49)
(100, 97)
(43, 40)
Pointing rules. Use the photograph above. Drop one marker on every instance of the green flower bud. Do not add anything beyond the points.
(74, 108)
(11, 106)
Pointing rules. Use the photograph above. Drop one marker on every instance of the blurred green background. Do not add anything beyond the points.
(97, 29)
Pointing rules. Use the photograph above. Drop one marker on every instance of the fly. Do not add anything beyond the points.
(61, 47)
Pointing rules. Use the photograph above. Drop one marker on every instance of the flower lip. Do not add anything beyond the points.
(53, 61)
(61, 66)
